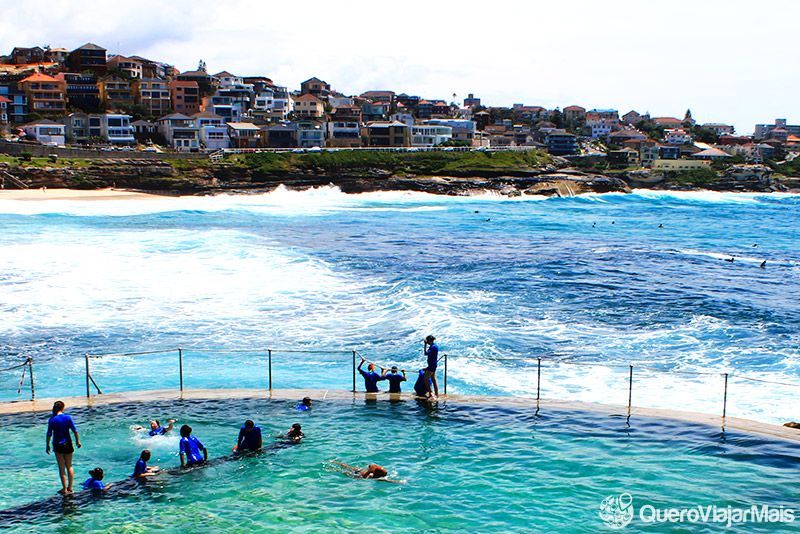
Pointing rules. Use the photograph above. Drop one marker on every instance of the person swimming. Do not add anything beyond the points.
(395, 379)
(58, 429)
(371, 378)
(141, 470)
(294, 434)
(304, 405)
(372, 471)
(249, 438)
(95, 480)
(157, 430)
(190, 447)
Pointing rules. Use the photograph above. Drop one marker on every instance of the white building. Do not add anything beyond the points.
(47, 132)
(430, 134)
(180, 132)
(212, 130)
(462, 129)
(677, 137)
(228, 80)
(117, 128)
(405, 118)
(719, 129)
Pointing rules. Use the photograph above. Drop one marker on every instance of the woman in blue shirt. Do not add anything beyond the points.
(58, 429)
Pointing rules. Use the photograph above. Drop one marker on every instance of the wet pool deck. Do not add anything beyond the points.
(730, 423)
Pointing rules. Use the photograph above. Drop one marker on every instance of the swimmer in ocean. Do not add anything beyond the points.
(304, 405)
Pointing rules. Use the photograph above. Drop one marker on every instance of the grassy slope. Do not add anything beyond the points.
(356, 162)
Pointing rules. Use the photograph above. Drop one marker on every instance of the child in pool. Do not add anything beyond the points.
(294, 434)
(190, 447)
(95, 480)
(141, 471)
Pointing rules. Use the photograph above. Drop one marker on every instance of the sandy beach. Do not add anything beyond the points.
(74, 194)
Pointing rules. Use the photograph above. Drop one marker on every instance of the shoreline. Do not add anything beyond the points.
(95, 195)
(50, 194)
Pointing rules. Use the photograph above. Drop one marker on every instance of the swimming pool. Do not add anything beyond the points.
(467, 466)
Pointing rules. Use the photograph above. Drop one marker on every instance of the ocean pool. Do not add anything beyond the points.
(465, 466)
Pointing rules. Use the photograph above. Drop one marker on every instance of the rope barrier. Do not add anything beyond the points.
(743, 377)
(23, 364)
(601, 364)
(143, 353)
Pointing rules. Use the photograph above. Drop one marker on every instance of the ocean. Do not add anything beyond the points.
(622, 279)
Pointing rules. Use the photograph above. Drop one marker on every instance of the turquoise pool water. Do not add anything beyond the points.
(465, 466)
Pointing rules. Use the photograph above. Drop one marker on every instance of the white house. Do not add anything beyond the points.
(212, 130)
(677, 137)
(47, 132)
(405, 118)
(430, 134)
(180, 132)
(462, 129)
(310, 133)
(117, 129)
(228, 80)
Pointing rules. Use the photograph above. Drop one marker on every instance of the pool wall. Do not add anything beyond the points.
(609, 410)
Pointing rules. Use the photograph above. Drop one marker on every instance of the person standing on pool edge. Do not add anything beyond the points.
(58, 428)
(371, 378)
(432, 353)
(190, 448)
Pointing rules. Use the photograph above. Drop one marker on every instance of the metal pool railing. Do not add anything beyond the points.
(27, 369)
(351, 356)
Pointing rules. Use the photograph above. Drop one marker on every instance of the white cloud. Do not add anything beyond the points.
(727, 60)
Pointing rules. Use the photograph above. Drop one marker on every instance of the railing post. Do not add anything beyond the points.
(88, 391)
(33, 383)
(630, 387)
(445, 374)
(538, 377)
(270, 369)
(180, 366)
(725, 397)
(354, 371)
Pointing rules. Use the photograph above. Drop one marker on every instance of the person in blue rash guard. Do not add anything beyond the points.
(58, 429)
(371, 378)
(157, 430)
(141, 471)
(95, 482)
(432, 353)
(305, 405)
(394, 378)
(420, 386)
(249, 438)
(190, 448)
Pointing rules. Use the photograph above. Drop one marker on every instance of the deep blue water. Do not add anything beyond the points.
(585, 279)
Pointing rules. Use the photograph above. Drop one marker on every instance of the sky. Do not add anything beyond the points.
(733, 61)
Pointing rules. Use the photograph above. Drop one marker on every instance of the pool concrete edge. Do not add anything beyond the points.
(730, 423)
